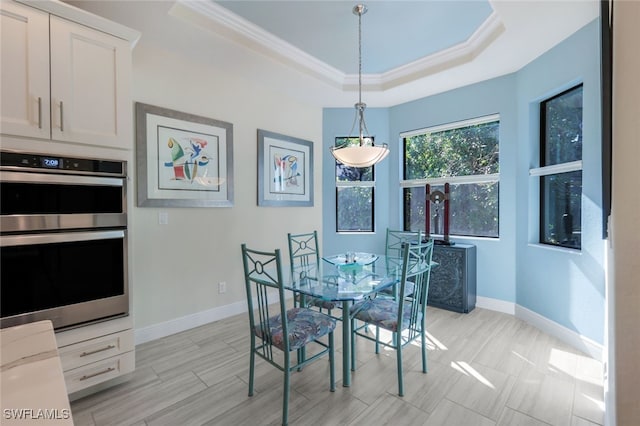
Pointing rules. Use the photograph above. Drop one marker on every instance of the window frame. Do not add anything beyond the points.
(452, 180)
(555, 169)
(355, 184)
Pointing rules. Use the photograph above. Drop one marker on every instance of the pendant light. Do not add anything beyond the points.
(364, 153)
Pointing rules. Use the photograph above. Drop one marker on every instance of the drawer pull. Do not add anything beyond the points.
(61, 117)
(108, 370)
(106, 348)
(39, 112)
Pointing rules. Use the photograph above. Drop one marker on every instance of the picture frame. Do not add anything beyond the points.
(182, 160)
(285, 170)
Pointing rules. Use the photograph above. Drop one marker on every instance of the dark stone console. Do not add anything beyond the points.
(453, 282)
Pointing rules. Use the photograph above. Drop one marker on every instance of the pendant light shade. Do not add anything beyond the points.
(363, 153)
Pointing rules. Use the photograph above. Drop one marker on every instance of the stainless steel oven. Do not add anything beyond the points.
(63, 239)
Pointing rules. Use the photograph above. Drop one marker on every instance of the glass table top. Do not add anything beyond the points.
(339, 281)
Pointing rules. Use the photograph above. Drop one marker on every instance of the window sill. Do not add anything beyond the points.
(565, 250)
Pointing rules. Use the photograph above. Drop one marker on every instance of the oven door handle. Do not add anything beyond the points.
(45, 178)
(59, 237)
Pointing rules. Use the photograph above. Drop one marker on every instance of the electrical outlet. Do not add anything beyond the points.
(163, 218)
(222, 287)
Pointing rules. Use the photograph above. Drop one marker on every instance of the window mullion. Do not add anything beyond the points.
(494, 177)
(570, 166)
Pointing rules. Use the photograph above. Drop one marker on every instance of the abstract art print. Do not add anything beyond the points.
(183, 160)
(285, 170)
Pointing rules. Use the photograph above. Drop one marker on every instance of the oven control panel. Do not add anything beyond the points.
(42, 162)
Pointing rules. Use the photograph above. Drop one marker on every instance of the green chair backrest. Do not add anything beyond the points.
(416, 268)
(394, 243)
(263, 278)
(395, 240)
(303, 249)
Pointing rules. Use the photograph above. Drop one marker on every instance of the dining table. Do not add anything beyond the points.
(345, 278)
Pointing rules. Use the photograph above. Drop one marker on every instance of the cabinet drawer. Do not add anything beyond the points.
(98, 372)
(89, 351)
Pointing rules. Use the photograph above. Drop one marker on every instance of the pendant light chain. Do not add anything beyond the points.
(360, 104)
(360, 57)
(365, 154)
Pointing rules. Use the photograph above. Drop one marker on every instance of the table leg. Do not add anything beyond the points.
(346, 345)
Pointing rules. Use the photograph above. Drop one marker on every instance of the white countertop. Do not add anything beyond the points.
(32, 387)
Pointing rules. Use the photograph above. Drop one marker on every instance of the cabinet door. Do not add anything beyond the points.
(24, 61)
(90, 86)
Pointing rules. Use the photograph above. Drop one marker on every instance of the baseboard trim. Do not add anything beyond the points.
(570, 337)
(157, 331)
(578, 341)
(496, 305)
(582, 343)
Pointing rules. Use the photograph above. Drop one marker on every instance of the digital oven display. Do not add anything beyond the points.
(51, 163)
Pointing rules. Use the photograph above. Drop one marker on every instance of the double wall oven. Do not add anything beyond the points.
(63, 239)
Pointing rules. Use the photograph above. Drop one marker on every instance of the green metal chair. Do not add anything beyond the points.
(303, 251)
(393, 253)
(404, 317)
(272, 325)
(395, 240)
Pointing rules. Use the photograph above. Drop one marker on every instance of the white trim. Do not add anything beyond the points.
(81, 16)
(453, 125)
(582, 343)
(496, 305)
(565, 250)
(570, 337)
(187, 322)
(494, 177)
(216, 18)
(176, 325)
(456, 55)
(356, 183)
(570, 166)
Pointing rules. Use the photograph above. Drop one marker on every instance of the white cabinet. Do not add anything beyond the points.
(90, 86)
(24, 62)
(64, 81)
(96, 353)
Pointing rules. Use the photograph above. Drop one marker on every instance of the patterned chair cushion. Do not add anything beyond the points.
(305, 325)
(409, 288)
(319, 303)
(382, 312)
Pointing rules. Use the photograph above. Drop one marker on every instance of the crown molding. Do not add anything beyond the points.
(219, 20)
(215, 18)
(80, 16)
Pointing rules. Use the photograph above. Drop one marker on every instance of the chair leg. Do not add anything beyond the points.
(285, 396)
(353, 344)
(424, 350)
(252, 361)
(332, 364)
(302, 355)
(377, 340)
(399, 360)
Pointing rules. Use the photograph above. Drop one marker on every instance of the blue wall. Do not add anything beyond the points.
(565, 286)
(496, 257)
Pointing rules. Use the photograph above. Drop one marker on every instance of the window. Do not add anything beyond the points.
(560, 169)
(465, 155)
(354, 196)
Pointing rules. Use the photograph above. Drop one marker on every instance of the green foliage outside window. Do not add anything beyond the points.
(354, 204)
(355, 209)
(471, 151)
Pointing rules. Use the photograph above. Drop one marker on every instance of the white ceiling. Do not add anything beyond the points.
(308, 49)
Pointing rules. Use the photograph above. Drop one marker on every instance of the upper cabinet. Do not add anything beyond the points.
(24, 62)
(90, 85)
(63, 80)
